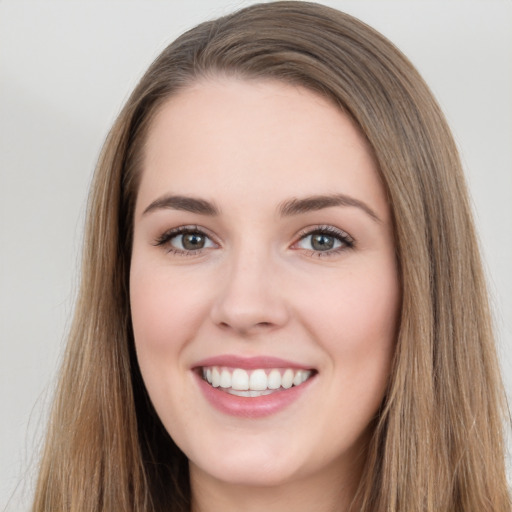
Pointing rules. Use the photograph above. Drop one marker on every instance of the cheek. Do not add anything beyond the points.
(166, 310)
(358, 324)
(358, 309)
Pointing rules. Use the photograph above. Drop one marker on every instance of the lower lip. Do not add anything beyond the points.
(251, 407)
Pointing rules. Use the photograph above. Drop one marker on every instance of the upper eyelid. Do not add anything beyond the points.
(332, 230)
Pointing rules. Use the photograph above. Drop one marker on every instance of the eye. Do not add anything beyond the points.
(190, 241)
(325, 239)
(185, 240)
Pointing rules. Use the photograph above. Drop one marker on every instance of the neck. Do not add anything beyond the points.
(330, 491)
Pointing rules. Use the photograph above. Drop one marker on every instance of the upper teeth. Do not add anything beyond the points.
(256, 380)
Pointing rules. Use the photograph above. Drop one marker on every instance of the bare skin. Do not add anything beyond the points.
(262, 231)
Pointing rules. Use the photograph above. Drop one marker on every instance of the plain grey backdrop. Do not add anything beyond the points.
(66, 68)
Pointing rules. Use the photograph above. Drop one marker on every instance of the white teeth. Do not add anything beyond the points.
(287, 379)
(249, 393)
(239, 380)
(225, 379)
(274, 379)
(298, 378)
(258, 382)
(215, 382)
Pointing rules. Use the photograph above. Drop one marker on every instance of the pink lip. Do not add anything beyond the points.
(249, 407)
(255, 407)
(249, 363)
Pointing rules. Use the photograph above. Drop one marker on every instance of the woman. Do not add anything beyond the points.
(278, 247)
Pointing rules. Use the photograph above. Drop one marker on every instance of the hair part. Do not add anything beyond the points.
(438, 441)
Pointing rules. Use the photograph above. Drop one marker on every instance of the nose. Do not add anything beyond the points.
(251, 297)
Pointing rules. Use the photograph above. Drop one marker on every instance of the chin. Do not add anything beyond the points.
(247, 474)
(261, 467)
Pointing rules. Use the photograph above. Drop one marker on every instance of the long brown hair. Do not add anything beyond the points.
(438, 442)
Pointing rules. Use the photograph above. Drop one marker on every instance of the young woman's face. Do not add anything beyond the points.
(264, 288)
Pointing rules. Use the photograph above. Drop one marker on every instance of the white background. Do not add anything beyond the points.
(66, 68)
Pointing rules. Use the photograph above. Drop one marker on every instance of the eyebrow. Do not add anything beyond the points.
(183, 203)
(313, 203)
(288, 208)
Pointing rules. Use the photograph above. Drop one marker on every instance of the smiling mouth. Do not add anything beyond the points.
(254, 383)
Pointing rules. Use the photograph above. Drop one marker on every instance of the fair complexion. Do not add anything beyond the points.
(263, 242)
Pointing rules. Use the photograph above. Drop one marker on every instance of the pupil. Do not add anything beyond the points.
(193, 241)
(321, 242)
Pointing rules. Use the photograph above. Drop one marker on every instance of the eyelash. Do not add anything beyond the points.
(346, 240)
(166, 237)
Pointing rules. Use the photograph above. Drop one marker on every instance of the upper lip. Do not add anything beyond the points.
(250, 363)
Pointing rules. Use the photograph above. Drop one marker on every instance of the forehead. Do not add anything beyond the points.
(228, 138)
